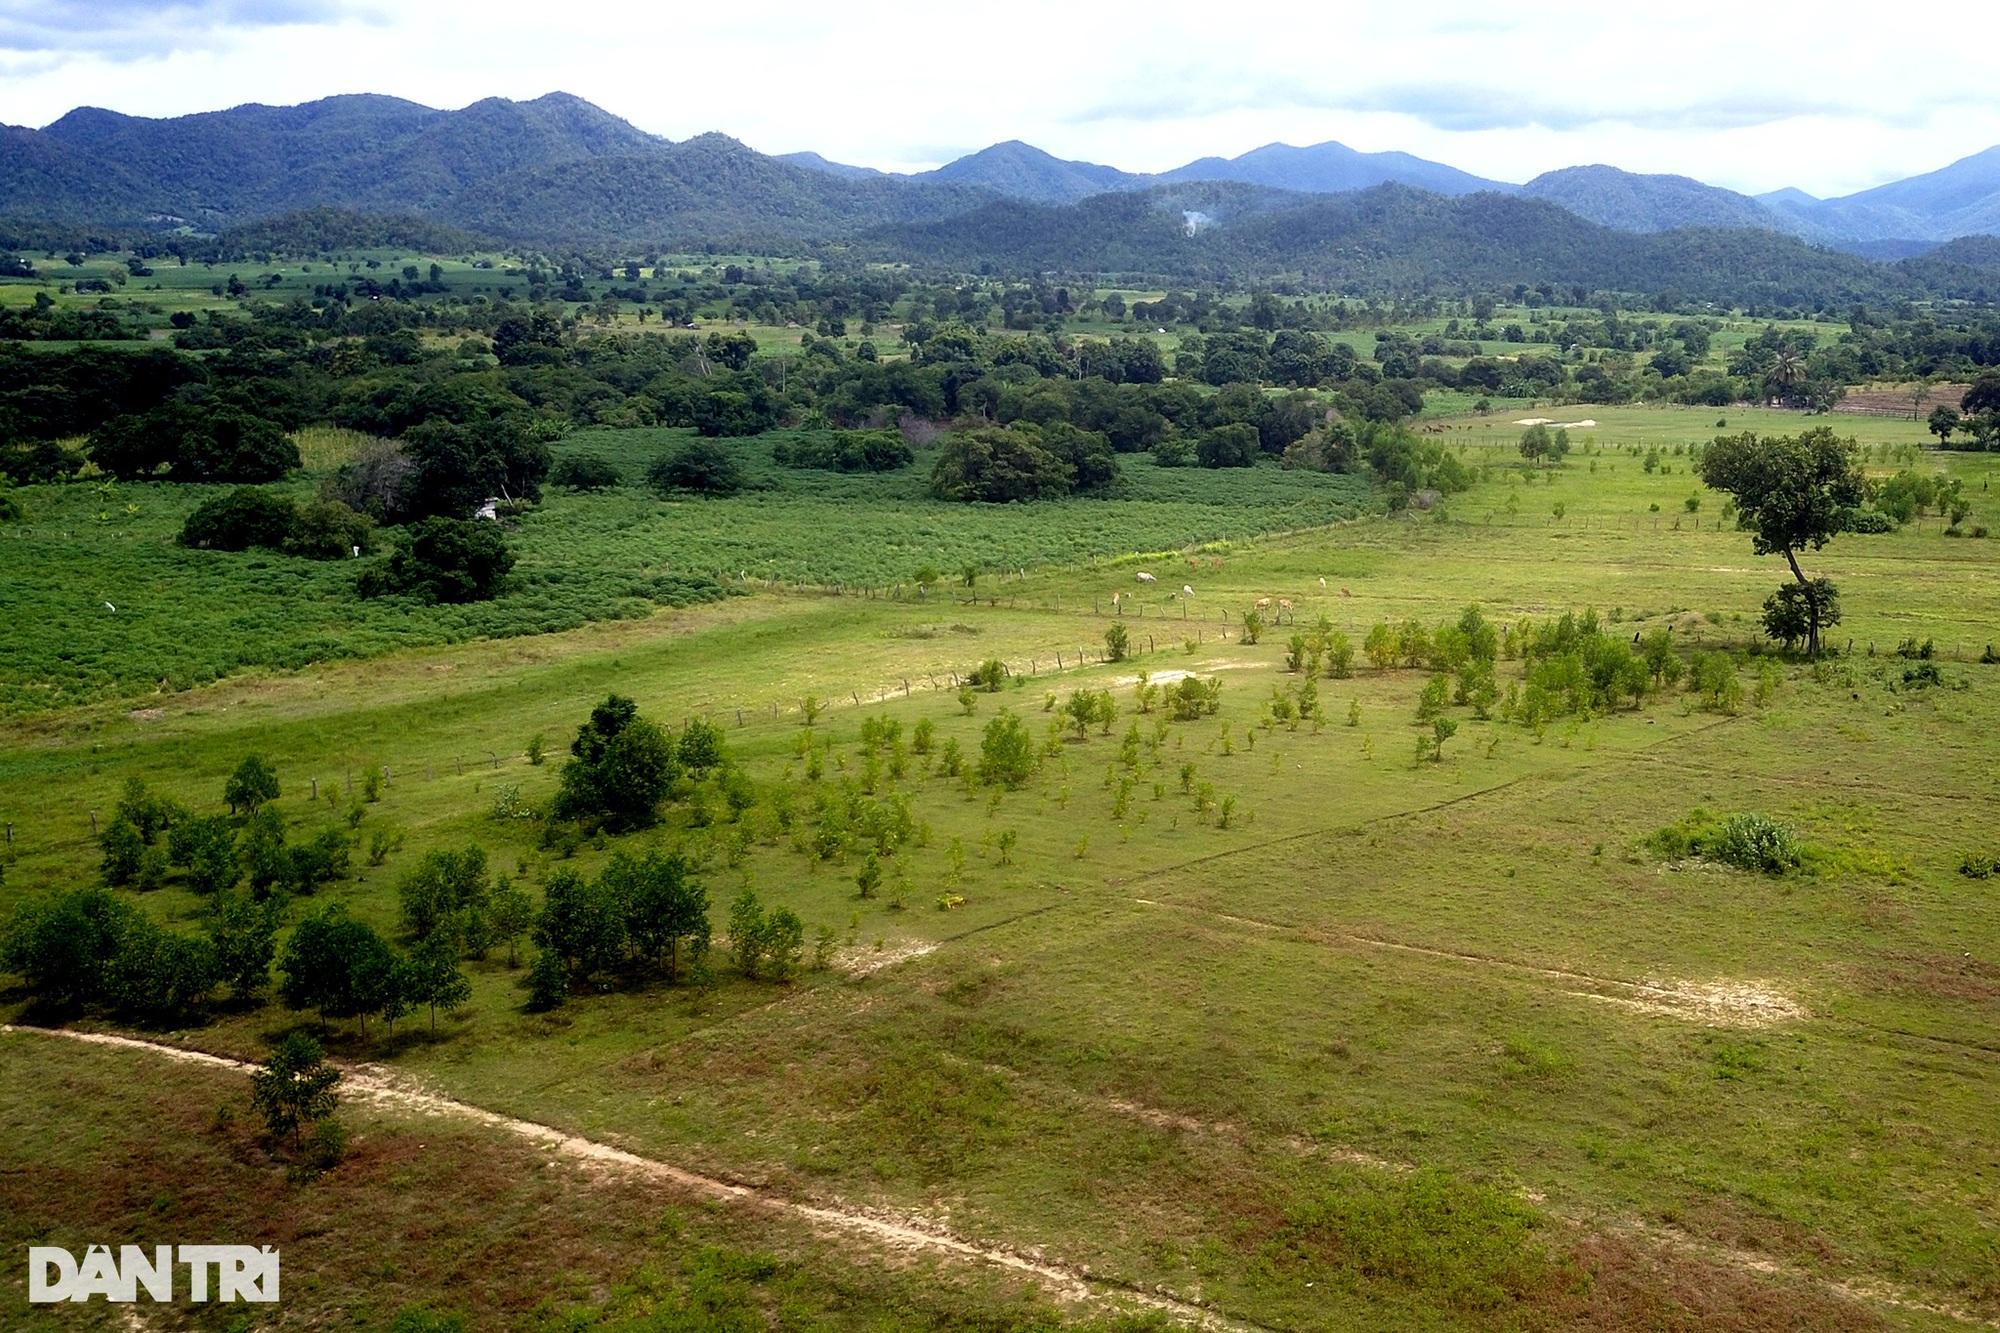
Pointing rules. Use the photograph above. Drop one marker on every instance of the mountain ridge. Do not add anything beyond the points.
(558, 169)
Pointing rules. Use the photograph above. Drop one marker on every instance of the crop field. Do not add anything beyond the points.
(1252, 1017)
(98, 601)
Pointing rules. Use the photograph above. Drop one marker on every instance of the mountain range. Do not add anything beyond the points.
(1962, 199)
(558, 171)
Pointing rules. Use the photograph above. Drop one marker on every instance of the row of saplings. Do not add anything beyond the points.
(642, 917)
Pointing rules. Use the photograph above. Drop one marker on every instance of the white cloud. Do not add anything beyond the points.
(1749, 96)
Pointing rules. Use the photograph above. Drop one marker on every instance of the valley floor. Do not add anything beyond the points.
(1392, 1043)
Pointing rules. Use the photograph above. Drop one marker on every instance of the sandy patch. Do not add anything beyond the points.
(1177, 674)
(1735, 1004)
(867, 962)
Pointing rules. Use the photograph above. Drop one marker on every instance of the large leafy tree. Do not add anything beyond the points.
(620, 769)
(665, 907)
(444, 560)
(1792, 494)
(338, 966)
(997, 466)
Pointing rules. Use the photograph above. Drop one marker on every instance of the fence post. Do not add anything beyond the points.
(739, 717)
(93, 823)
(315, 790)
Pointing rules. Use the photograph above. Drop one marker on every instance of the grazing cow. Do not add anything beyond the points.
(1116, 598)
(1187, 590)
(1193, 563)
(1345, 593)
(1263, 604)
(1285, 604)
(1144, 577)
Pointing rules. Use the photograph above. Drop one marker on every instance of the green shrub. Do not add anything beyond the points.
(698, 466)
(584, 472)
(447, 560)
(845, 451)
(1747, 841)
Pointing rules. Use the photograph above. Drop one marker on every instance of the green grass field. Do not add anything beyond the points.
(98, 602)
(1412, 1045)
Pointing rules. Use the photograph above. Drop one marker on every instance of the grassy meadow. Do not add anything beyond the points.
(97, 601)
(1275, 1019)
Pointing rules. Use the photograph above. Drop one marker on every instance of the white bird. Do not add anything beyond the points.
(1186, 591)
(109, 607)
(1322, 583)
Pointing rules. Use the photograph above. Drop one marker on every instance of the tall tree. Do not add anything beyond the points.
(1792, 494)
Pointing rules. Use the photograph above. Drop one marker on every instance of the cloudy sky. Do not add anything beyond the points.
(1749, 95)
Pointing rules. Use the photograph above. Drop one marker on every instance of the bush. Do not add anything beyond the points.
(585, 472)
(59, 943)
(448, 893)
(698, 466)
(294, 1091)
(204, 846)
(621, 768)
(1228, 446)
(845, 451)
(1006, 752)
(989, 676)
(253, 784)
(257, 517)
(159, 977)
(245, 517)
(444, 560)
(765, 944)
(1746, 841)
(328, 530)
(1789, 611)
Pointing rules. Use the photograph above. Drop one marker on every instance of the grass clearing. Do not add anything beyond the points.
(1437, 1045)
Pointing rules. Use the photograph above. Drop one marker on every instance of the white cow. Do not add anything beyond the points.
(1187, 590)
(1144, 577)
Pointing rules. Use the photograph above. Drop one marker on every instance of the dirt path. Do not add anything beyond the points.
(381, 1087)
(1723, 1003)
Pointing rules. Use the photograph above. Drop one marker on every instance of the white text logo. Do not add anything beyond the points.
(213, 1273)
